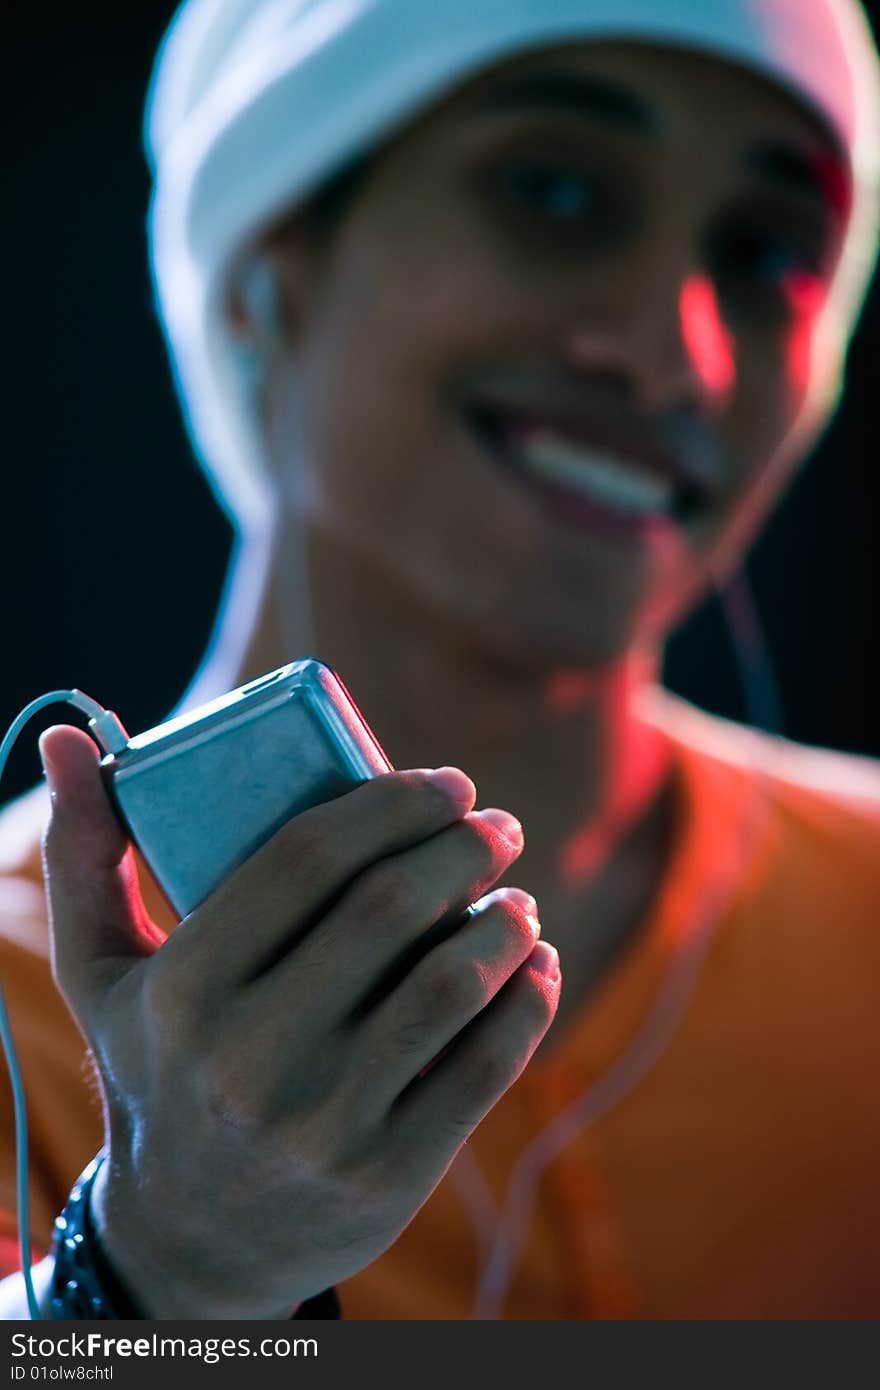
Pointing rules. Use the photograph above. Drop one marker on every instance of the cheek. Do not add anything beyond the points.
(760, 433)
(371, 403)
(772, 386)
(345, 398)
(358, 430)
(805, 357)
(710, 346)
(776, 364)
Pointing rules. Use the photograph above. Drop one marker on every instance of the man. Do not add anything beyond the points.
(497, 370)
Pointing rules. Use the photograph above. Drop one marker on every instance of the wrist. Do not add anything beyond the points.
(158, 1277)
(82, 1284)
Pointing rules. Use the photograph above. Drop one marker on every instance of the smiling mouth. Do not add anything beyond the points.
(589, 483)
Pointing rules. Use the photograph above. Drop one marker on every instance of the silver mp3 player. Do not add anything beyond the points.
(201, 792)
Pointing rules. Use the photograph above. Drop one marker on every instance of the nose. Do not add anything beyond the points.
(666, 348)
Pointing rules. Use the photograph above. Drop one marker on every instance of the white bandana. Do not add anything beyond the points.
(256, 102)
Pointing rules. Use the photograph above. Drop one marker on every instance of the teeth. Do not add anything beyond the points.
(620, 484)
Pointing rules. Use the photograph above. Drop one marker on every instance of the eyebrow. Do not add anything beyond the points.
(819, 175)
(575, 94)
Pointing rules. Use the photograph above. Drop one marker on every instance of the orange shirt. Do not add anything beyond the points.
(718, 1150)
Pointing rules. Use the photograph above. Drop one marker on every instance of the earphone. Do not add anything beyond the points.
(257, 288)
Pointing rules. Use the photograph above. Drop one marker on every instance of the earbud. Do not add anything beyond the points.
(260, 299)
(256, 341)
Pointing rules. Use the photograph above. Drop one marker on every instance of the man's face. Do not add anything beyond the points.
(540, 374)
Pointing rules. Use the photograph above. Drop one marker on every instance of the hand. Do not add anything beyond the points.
(288, 1076)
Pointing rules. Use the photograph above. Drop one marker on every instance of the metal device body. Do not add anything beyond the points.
(201, 792)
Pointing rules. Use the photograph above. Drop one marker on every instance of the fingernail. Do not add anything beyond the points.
(455, 784)
(546, 959)
(523, 899)
(502, 820)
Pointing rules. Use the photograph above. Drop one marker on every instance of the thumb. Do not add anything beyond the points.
(99, 924)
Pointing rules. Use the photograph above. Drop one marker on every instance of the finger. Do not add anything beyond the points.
(387, 919)
(449, 987)
(279, 891)
(99, 925)
(434, 1115)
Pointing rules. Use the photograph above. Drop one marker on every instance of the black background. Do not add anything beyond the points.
(113, 548)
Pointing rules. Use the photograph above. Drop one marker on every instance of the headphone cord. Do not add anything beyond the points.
(503, 1234)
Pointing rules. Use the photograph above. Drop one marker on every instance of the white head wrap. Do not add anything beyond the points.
(254, 103)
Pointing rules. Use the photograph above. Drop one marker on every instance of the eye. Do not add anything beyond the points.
(753, 261)
(556, 192)
(765, 257)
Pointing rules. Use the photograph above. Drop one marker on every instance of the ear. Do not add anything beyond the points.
(254, 308)
(260, 295)
(269, 288)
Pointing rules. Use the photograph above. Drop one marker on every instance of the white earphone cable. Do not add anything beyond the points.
(664, 1016)
(112, 737)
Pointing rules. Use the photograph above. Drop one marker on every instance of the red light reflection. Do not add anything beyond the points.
(709, 343)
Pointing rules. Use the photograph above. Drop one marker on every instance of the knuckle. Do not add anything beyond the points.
(492, 1072)
(414, 791)
(410, 786)
(308, 844)
(453, 989)
(387, 891)
(410, 1038)
(396, 791)
(459, 1127)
